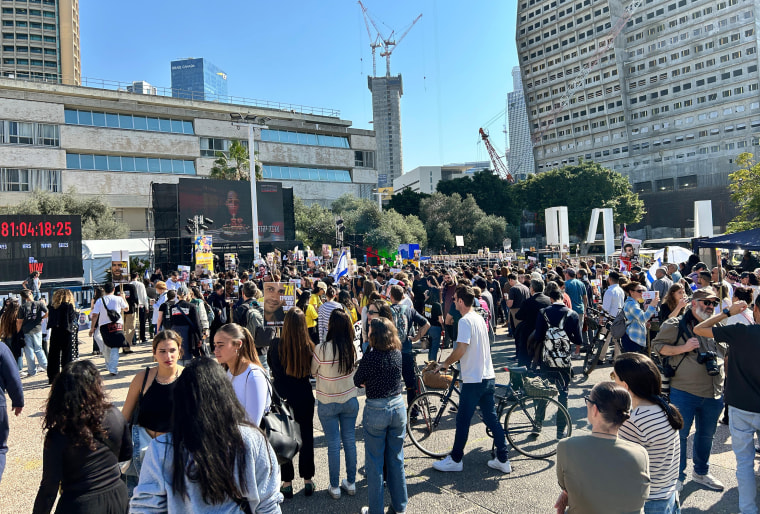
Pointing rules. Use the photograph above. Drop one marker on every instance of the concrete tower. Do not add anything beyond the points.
(520, 160)
(386, 115)
(41, 41)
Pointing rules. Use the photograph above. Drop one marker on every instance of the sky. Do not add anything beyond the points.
(455, 62)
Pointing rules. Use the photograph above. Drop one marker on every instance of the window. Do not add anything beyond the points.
(20, 133)
(364, 159)
(687, 182)
(665, 185)
(302, 138)
(306, 174)
(642, 187)
(23, 180)
(210, 146)
(129, 164)
(127, 121)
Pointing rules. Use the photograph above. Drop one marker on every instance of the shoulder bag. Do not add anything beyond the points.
(140, 438)
(112, 333)
(281, 428)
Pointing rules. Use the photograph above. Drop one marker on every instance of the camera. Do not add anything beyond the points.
(667, 370)
(709, 359)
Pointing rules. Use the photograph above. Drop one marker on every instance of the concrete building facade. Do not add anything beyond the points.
(386, 119)
(670, 105)
(40, 40)
(424, 179)
(520, 158)
(115, 144)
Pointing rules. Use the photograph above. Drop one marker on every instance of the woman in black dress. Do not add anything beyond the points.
(63, 322)
(86, 439)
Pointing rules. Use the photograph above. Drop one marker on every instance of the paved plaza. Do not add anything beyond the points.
(530, 488)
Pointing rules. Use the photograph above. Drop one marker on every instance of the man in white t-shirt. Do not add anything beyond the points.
(473, 352)
(100, 318)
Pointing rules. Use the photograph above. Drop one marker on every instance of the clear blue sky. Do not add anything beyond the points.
(456, 62)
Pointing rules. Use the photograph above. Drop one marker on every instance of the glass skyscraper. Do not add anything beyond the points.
(198, 79)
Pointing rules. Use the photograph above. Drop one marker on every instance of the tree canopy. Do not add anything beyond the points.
(235, 164)
(98, 220)
(492, 194)
(745, 191)
(407, 202)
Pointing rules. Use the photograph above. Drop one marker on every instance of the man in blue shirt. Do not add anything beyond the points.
(577, 293)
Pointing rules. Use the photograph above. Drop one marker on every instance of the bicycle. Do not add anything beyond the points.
(593, 351)
(533, 424)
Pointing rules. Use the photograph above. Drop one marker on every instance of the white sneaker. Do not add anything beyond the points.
(23, 374)
(504, 467)
(348, 487)
(708, 481)
(448, 464)
(334, 492)
(365, 510)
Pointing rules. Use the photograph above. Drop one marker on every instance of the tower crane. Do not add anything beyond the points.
(501, 168)
(388, 44)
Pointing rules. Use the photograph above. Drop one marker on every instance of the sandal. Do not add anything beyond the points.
(287, 491)
(309, 488)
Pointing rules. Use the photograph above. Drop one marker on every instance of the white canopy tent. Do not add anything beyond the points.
(96, 255)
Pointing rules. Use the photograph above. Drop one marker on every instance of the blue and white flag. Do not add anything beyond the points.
(342, 267)
(651, 277)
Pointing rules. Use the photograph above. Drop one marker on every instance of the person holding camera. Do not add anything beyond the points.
(742, 391)
(694, 364)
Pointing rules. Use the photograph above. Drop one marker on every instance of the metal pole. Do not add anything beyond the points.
(254, 198)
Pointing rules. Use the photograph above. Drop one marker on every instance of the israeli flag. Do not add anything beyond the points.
(342, 267)
(651, 277)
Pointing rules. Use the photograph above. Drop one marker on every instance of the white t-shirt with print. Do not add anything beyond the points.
(476, 364)
(113, 302)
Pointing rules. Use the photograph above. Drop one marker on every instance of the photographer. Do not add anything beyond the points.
(742, 391)
(695, 365)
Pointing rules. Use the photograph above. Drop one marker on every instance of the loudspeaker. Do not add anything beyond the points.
(288, 212)
(165, 210)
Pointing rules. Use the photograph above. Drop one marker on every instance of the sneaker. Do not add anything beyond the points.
(708, 481)
(23, 374)
(348, 487)
(365, 510)
(448, 464)
(679, 486)
(504, 467)
(334, 492)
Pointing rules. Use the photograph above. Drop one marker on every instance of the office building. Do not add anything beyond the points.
(113, 144)
(670, 104)
(386, 119)
(40, 40)
(198, 79)
(424, 179)
(520, 160)
(142, 88)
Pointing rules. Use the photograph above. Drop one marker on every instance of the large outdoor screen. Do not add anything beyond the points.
(51, 245)
(228, 203)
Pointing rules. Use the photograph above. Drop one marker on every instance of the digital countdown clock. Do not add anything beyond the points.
(51, 245)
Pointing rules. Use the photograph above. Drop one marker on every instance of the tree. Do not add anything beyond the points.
(581, 188)
(236, 165)
(407, 202)
(745, 191)
(315, 225)
(493, 194)
(98, 220)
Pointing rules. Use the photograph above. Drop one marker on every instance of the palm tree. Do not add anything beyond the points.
(236, 165)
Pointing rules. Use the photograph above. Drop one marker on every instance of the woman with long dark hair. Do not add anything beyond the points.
(675, 302)
(290, 362)
(344, 298)
(304, 303)
(384, 419)
(235, 350)
(98, 346)
(213, 459)
(654, 424)
(333, 365)
(86, 439)
(63, 322)
(10, 334)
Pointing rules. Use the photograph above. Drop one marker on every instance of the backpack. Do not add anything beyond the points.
(209, 313)
(254, 322)
(557, 349)
(619, 324)
(401, 320)
(483, 313)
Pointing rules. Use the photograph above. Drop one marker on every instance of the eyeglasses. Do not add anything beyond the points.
(373, 312)
(641, 290)
(589, 400)
(710, 303)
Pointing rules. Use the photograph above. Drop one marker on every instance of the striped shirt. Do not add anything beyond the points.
(332, 385)
(649, 427)
(324, 317)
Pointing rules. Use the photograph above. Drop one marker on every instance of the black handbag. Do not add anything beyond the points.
(112, 314)
(281, 428)
(113, 335)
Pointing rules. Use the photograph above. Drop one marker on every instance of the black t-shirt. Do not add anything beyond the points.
(432, 312)
(32, 313)
(743, 373)
(130, 295)
(518, 294)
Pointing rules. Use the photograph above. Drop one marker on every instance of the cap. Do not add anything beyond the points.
(704, 294)
(161, 285)
(321, 285)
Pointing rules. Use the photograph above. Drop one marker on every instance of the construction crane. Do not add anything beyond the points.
(388, 44)
(501, 168)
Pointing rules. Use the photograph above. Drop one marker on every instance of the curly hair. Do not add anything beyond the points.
(77, 404)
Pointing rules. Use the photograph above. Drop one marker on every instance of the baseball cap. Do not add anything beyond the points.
(321, 285)
(704, 294)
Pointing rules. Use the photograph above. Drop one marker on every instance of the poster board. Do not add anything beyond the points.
(120, 266)
(279, 298)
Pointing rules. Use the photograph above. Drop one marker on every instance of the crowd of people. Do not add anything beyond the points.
(218, 342)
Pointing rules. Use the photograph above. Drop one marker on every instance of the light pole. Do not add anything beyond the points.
(379, 198)
(252, 122)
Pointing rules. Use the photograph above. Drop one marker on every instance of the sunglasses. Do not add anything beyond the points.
(589, 400)
(370, 312)
(710, 303)
(641, 290)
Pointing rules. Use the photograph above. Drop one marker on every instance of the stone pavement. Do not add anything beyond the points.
(530, 488)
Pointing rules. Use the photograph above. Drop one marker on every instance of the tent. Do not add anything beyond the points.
(746, 240)
(96, 255)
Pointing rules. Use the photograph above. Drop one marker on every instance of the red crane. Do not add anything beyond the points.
(501, 168)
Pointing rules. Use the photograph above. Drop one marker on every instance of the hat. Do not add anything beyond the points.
(536, 275)
(321, 285)
(704, 294)
(161, 285)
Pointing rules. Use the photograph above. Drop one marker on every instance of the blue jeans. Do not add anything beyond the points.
(339, 423)
(435, 342)
(472, 396)
(384, 431)
(704, 412)
(669, 506)
(3, 438)
(33, 347)
(743, 425)
(112, 359)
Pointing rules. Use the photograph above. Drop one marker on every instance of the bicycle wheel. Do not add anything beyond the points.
(431, 423)
(593, 355)
(534, 426)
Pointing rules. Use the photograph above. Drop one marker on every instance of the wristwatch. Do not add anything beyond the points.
(727, 312)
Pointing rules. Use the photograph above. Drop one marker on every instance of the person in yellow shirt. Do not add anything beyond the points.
(316, 298)
(304, 303)
(349, 305)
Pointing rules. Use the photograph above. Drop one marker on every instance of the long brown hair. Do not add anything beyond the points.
(383, 336)
(296, 347)
(8, 319)
(669, 299)
(247, 348)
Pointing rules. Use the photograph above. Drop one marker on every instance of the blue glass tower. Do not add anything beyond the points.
(198, 79)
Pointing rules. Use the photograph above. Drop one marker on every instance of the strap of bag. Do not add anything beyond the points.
(272, 391)
(136, 412)
(192, 323)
